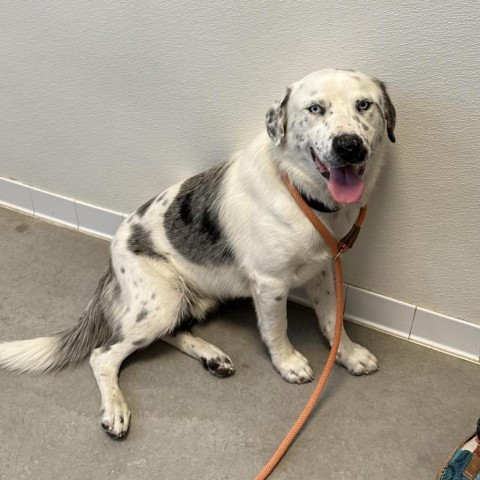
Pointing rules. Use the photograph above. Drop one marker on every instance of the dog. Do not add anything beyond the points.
(235, 231)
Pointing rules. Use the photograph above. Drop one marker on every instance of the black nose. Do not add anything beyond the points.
(349, 148)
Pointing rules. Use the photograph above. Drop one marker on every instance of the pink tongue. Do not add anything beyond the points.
(345, 184)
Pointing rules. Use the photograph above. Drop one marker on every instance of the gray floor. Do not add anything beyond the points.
(397, 424)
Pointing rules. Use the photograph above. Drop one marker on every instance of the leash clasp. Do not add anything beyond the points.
(340, 251)
(346, 243)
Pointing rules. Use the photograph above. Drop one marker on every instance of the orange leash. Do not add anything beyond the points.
(336, 249)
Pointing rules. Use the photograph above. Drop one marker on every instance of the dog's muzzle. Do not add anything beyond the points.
(344, 182)
(349, 148)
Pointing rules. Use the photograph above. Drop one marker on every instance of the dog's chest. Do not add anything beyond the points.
(305, 246)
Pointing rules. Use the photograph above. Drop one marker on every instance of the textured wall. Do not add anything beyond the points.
(110, 102)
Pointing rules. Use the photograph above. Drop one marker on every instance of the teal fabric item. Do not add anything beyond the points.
(457, 465)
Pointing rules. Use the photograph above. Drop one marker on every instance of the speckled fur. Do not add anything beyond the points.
(233, 231)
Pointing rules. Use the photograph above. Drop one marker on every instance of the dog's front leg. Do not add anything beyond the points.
(270, 299)
(321, 290)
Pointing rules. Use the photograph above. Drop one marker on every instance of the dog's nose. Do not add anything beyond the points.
(349, 148)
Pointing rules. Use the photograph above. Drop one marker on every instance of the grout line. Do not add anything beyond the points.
(31, 199)
(76, 214)
(413, 320)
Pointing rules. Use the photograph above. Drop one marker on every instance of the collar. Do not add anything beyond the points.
(317, 205)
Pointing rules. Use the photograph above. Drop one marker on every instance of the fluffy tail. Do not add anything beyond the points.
(69, 347)
(35, 355)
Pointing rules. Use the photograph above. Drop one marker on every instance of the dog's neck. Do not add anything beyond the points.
(317, 204)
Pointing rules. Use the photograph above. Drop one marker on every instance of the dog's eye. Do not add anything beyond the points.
(363, 105)
(316, 109)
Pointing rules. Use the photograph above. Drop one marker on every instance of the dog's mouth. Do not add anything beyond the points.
(345, 184)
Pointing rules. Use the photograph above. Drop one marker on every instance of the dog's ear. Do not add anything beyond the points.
(277, 119)
(388, 111)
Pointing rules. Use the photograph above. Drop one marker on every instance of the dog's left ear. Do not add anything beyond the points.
(277, 119)
(388, 111)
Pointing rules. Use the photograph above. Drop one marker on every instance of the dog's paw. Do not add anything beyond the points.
(115, 419)
(294, 368)
(358, 360)
(219, 365)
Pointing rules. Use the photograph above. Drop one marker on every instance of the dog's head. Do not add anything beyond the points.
(330, 125)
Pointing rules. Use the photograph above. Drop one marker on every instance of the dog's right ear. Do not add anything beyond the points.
(277, 119)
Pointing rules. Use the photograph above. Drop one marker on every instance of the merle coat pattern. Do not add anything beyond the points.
(234, 231)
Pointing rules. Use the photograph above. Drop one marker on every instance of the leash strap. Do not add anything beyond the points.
(337, 249)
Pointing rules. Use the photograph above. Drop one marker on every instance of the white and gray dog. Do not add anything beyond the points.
(234, 231)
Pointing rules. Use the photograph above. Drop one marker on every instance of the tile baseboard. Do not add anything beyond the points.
(378, 311)
(54, 207)
(413, 323)
(15, 195)
(440, 332)
(450, 334)
(81, 216)
(97, 221)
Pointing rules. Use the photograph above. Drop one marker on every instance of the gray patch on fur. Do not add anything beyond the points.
(277, 299)
(142, 210)
(160, 198)
(94, 328)
(140, 243)
(140, 342)
(276, 119)
(193, 308)
(192, 220)
(142, 315)
(184, 325)
(117, 290)
(117, 337)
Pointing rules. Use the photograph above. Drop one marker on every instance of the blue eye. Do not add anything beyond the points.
(316, 109)
(363, 105)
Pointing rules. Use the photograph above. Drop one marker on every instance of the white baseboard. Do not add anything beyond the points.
(81, 216)
(413, 323)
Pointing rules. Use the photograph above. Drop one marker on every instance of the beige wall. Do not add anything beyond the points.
(109, 102)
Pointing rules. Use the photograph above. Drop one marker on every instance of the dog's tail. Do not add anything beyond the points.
(68, 347)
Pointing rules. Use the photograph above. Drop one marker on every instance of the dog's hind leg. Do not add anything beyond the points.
(213, 359)
(105, 362)
(142, 323)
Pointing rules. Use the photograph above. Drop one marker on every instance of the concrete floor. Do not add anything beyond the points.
(399, 423)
